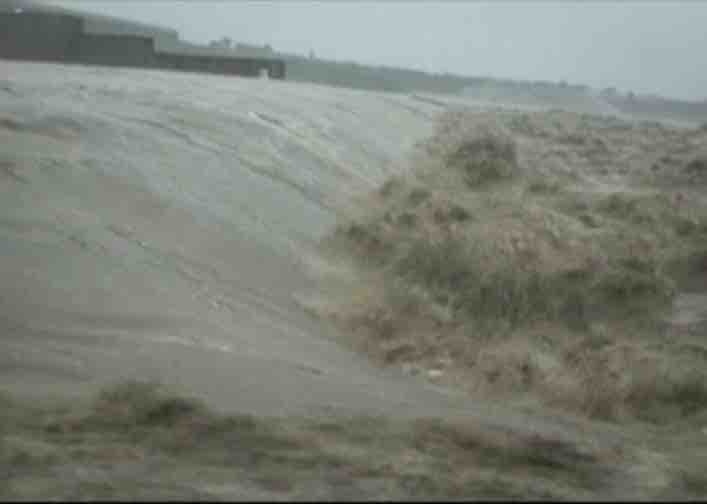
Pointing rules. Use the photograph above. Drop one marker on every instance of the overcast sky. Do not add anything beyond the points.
(658, 47)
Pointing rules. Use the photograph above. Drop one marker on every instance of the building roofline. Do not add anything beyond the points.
(122, 25)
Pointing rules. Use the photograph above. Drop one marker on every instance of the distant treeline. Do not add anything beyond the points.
(660, 107)
(387, 78)
(373, 78)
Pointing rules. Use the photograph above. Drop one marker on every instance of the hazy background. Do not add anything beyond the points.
(645, 47)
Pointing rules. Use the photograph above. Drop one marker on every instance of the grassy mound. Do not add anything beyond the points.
(458, 264)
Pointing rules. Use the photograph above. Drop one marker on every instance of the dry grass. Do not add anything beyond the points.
(484, 265)
(116, 441)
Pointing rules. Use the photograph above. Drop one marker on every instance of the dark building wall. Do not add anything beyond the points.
(62, 38)
(39, 37)
(277, 69)
(114, 50)
(249, 67)
(105, 25)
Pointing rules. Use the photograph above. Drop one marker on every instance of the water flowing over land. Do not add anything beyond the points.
(165, 227)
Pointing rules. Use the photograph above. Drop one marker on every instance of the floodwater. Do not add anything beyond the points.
(154, 226)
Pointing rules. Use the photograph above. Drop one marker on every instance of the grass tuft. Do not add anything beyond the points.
(485, 159)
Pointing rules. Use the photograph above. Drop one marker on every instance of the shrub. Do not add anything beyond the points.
(663, 398)
(543, 185)
(457, 274)
(697, 168)
(133, 404)
(485, 158)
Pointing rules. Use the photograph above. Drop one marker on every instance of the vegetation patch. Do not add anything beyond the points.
(459, 280)
(84, 452)
(696, 169)
(484, 159)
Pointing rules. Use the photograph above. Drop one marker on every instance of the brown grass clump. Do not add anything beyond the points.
(696, 169)
(484, 159)
(132, 405)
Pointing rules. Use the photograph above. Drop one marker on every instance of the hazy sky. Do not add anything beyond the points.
(651, 46)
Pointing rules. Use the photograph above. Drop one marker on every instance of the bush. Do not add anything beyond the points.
(544, 185)
(632, 280)
(141, 404)
(418, 195)
(456, 274)
(697, 168)
(484, 159)
(619, 205)
(664, 398)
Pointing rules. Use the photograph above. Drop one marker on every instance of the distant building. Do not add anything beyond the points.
(253, 51)
(41, 32)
